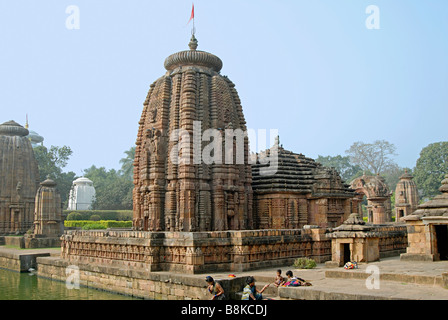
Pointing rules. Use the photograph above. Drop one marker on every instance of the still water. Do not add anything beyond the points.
(26, 286)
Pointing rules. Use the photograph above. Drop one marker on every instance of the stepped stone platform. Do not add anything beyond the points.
(397, 279)
(21, 260)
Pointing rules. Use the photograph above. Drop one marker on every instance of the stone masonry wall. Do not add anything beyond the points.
(137, 283)
(393, 239)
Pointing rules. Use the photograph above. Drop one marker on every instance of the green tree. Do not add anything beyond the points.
(374, 157)
(113, 191)
(392, 176)
(430, 169)
(127, 163)
(346, 169)
(51, 163)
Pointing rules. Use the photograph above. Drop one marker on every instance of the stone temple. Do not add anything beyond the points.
(428, 229)
(234, 213)
(300, 192)
(19, 179)
(406, 196)
(190, 195)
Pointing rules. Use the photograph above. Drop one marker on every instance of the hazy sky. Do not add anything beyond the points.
(311, 69)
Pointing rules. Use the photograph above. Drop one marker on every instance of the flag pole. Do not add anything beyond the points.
(193, 31)
(193, 42)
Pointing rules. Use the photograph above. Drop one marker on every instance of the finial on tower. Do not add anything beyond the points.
(193, 42)
(277, 140)
(444, 187)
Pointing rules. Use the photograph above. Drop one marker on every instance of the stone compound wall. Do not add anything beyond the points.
(393, 240)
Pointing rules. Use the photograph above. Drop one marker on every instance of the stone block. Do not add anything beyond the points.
(445, 280)
(416, 257)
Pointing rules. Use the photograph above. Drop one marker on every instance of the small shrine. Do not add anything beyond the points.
(354, 241)
(406, 196)
(428, 229)
(48, 219)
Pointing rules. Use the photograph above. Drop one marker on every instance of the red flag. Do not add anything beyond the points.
(192, 14)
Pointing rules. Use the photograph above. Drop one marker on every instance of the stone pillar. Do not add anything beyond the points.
(379, 210)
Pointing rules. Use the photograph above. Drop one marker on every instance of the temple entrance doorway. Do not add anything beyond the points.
(345, 249)
(441, 232)
(400, 214)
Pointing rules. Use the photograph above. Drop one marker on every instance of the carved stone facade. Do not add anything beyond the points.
(175, 190)
(19, 179)
(299, 192)
(217, 251)
(195, 252)
(378, 198)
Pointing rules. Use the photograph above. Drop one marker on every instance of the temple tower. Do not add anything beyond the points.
(186, 177)
(406, 196)
(300, 192)
(35, 138)
(48, 212)
(19, 179)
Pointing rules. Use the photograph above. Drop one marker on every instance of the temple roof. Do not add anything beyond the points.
(48, 183)
(406, 176)
(295, 173)
(35, 137)
(83, 180)
(435, 207)
(193, 57)
(12, 128)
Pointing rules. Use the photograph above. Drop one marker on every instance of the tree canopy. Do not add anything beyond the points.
(374, 157)
(430, 168)
(345, 168)
(127, 163)
(51, 163)
(113, 190)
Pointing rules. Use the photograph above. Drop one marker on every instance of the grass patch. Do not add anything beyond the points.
(304, 263)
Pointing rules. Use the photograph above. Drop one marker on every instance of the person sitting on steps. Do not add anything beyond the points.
(294, 281)
(250, 291)
(215, 289)
(279, 279)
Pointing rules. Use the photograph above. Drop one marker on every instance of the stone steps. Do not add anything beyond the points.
(357, 284)
(355, 289)
(435, 280)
